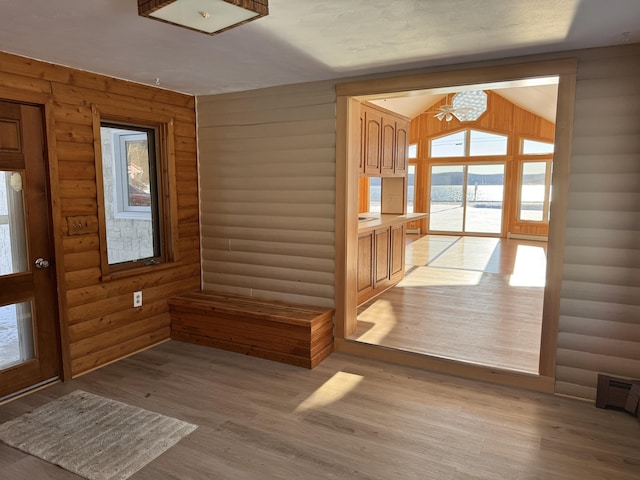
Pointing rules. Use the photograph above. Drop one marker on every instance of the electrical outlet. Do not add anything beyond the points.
(137, 298)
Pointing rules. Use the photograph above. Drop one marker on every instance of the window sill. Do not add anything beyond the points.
(142, 270)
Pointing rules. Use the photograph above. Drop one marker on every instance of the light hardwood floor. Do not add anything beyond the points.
(473, 299)
(349, 418)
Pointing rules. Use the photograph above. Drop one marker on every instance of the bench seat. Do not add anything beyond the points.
(285, 332)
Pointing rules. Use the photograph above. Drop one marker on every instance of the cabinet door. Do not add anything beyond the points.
(373, 135)
(387, 151)
(365, 265)
(397, 252)
(381, 269)
(402, 146)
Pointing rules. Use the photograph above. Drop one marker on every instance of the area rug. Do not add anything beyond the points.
(94, 437)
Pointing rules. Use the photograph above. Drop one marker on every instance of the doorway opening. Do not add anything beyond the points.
(473, 214)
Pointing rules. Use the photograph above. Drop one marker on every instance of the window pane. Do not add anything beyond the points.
(533, 191)
(411, 188)
(136, 151)
(13, 243)
(531, 147)
(485, 193)
(446, 206)
(413, 151)
(483, 143)
(16, 334)
(130, 195)
(375, 192)
(449, 146)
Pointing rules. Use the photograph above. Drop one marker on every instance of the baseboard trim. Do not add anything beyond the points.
(524, 236)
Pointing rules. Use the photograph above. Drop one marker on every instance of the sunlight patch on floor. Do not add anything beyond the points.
(376, 332)
(436, 277)
(331, 391)
(529, 268)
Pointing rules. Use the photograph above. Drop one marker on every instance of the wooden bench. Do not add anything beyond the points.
(286, 332)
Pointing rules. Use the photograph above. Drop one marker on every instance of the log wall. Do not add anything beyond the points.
(98, 322)
(267, 177)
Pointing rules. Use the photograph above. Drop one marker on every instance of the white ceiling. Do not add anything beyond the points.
(306, 40)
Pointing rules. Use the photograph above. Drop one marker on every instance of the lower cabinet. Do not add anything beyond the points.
(380, 260)
(396, 258)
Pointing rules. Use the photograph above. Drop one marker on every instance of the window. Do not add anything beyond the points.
(469, 143)
(532, 147)
(411, 188)
(534, 195)
(483, 143)
(449, 146)
(413, 151)
(134, 176)
(375, 194)
(131, 193)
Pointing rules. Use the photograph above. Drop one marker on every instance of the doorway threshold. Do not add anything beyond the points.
(495, 375)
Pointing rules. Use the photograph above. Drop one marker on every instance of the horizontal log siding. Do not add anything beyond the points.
(599, 325)
(267, 192)
(98, 320)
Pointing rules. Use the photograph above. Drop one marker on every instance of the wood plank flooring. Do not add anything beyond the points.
(473, 299)
(349, 418)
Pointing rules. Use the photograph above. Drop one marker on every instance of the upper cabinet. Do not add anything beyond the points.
(384, 142)
(402, 147)
(372, 141)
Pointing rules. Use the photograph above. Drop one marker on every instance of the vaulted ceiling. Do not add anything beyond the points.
(305, 40)
(539, 96)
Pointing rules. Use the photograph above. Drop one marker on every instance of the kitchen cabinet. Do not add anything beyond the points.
(402, 148)
(396, 248)
(365, 265)
(384, 142)
(380, 260)
(388, 146)
(372, 141)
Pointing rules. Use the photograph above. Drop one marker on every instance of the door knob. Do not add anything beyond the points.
(41, 262)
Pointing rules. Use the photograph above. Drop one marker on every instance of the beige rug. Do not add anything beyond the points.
(94, 437)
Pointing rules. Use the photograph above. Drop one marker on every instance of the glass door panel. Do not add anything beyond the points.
(16, 334)
(484, 199)
(446, 211)
(16, 327)
(13, 249)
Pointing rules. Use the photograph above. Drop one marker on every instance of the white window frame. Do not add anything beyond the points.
(122, 209)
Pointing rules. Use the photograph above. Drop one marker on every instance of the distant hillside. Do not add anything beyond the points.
(457, 178)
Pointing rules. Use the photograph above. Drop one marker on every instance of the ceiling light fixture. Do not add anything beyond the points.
(208, 16)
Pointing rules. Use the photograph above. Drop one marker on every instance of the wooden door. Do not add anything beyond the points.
(29, 342)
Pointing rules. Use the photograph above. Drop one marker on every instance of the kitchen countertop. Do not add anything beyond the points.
(377, 220)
